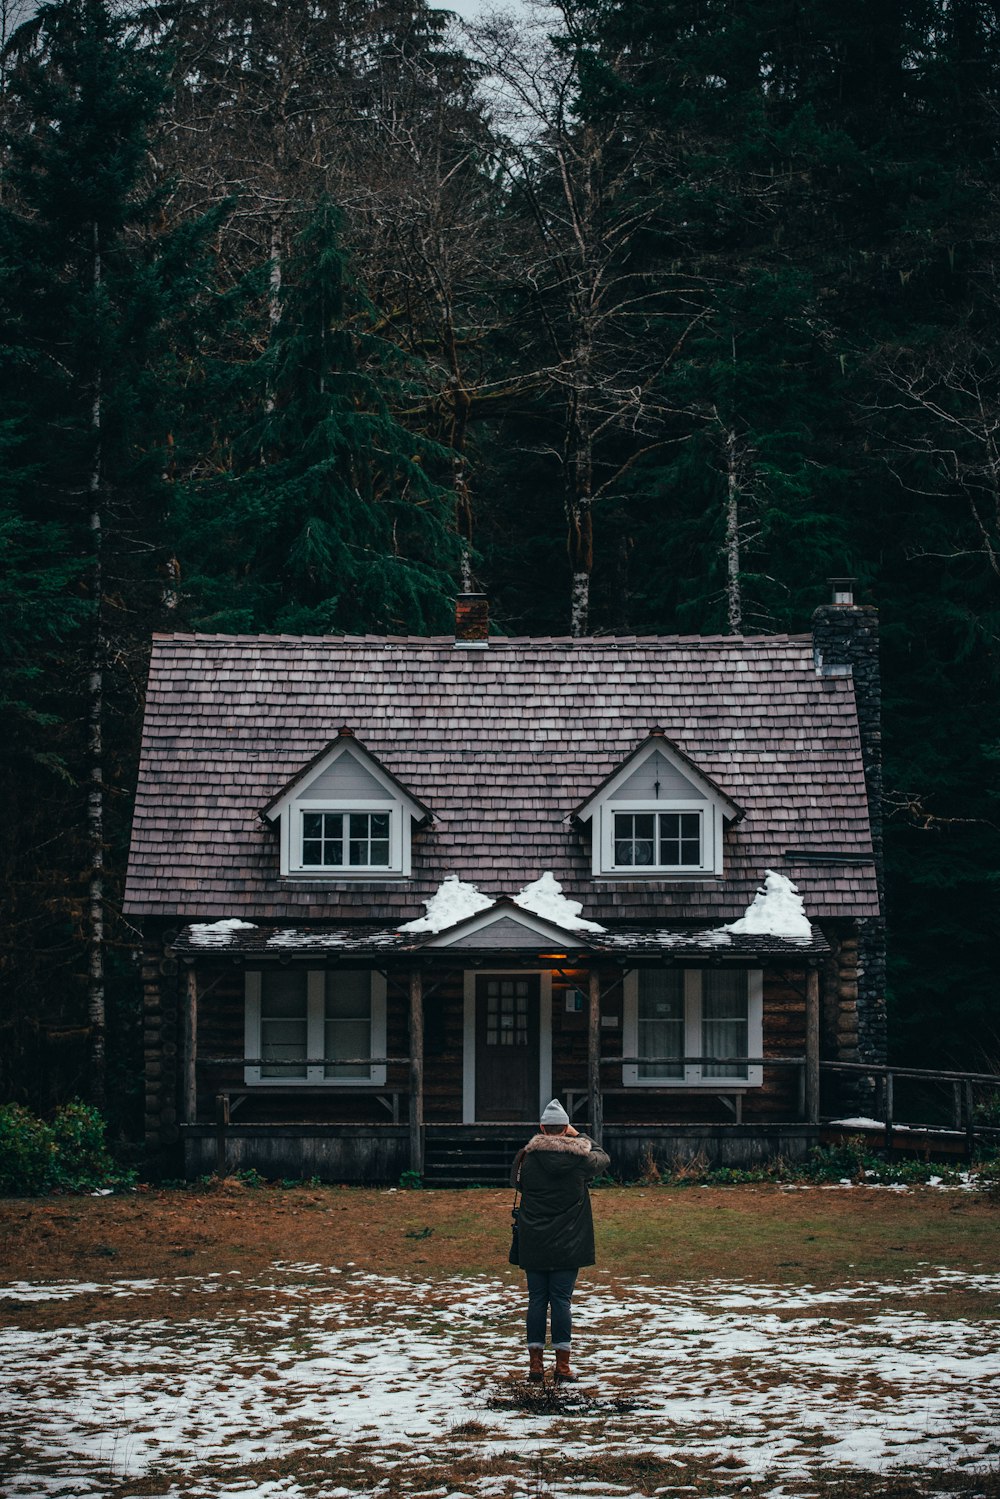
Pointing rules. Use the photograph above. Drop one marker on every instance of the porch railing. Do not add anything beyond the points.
(962, 1087)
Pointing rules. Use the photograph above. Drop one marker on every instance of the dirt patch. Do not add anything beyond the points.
(760, 1232)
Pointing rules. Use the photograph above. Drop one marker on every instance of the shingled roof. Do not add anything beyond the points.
(503, 743)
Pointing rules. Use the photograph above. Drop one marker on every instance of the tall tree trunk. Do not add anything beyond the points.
(95, 749)
(734, 591)
(580, 529)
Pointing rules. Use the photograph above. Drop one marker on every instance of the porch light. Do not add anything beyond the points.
(557, 957)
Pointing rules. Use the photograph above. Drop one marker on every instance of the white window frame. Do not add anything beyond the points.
(710, 858)
(292, 826)
(315, 1039)
(693, 1075)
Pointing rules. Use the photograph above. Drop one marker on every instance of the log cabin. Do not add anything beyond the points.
(398, 892)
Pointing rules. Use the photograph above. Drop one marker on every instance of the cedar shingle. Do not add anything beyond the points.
(500, 744)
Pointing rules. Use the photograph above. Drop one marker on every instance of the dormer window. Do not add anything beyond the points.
(345, 816)
(346, 840)
(647, 839)
(657, 816)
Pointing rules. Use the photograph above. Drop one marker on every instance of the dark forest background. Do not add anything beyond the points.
(641, 315)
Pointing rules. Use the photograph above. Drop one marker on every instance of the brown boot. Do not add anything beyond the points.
(536, 1368)
(564, 1374)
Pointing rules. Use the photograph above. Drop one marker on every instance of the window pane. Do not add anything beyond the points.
(322, 840)
(347, 1026)
(725, 1026)
(369, 839)
(661, 1021)
(283, 1024)
(506, 1012)
(634, 839)
(680, 839)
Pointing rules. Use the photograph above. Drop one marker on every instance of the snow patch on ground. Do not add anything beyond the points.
(778, 1382)
(218, 933)
(454, 900)
(544, 897)
(775, 911)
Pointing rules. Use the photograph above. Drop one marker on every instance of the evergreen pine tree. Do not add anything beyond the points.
(90, 301)
(327, 516)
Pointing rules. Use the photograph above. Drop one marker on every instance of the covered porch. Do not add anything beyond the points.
(644, 1037)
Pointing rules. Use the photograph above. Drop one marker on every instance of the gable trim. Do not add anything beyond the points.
(658, 741)
(506, 910)
(346, 742)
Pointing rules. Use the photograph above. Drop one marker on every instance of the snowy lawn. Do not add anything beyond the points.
(328, 1379)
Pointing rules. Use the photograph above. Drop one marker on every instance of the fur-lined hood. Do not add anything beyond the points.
(571, 1144)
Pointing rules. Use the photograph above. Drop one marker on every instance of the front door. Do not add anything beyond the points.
(507, 1046)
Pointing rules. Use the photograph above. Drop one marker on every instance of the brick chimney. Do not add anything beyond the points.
(472, 621)
(845, 643)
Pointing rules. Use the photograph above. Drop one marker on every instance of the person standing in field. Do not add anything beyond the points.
(555, 1230)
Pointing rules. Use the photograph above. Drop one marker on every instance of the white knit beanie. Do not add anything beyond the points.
(554, 1113)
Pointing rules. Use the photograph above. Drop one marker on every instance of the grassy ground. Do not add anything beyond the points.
(760, 1232)
(268, 1287)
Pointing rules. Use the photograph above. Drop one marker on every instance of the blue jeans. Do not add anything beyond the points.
(550, 1288)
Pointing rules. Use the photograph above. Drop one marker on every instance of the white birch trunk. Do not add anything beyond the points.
(734, 593)
(95, 750)
(274, 297)
(580, 605)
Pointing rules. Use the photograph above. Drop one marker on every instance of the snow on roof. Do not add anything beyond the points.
(454, 900)
(544, 897)
(218, 933)
(776, 910)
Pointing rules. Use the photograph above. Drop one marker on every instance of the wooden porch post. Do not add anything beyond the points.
(417, 1073)
(189, 1108)
(812, 1044)
(594, 1101)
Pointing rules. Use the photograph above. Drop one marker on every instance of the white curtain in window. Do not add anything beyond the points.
(347, 1022)
(661, 1021)
(724, 1020)
(284, 1023)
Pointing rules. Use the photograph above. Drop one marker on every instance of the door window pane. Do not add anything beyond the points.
(724, 1021)
(661, 1021)
(347, 1024)
(284, 1024)
(506, 1012)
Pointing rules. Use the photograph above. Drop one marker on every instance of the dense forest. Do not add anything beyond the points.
(640, 315)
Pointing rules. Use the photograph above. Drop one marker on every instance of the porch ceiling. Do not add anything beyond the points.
(284, 944)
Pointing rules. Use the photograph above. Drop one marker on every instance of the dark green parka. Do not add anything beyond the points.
(555, 1226)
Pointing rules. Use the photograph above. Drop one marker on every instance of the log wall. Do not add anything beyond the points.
(221, 1033)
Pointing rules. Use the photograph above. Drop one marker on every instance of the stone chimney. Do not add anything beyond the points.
(845, 643)
(472, 621)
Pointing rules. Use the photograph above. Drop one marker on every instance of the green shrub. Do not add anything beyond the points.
(70, 1154)
(82, 1157)
(27, 1153)
(410, 1181)
(849, 1160)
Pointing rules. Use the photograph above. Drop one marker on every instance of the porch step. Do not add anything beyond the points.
(470, 1163)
